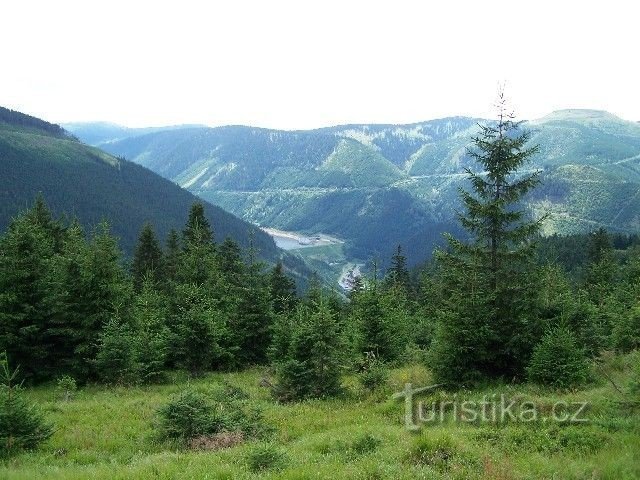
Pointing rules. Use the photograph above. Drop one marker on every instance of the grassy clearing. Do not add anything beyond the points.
(108, 433)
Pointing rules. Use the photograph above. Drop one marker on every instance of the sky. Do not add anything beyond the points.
(306, 63)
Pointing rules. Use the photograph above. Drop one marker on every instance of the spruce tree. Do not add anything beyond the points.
(230, 262)
(254, 317)
(115, 361)
(22, 426)
(172, 257)
(69, 279)
(398, 274)
(197, 260)
(602, 270)
(152, 338)
(197, 230)
(106, 293)
(147, 258)
(312, 365)
(282, 290)
(200, 332)
(491, 290)
(26, 301)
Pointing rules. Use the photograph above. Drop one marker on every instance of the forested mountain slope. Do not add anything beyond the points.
(85, 182)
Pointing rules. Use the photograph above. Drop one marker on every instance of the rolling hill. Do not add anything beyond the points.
(380, 185)
(85, 182)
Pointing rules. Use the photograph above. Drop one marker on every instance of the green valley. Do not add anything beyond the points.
(377, 186)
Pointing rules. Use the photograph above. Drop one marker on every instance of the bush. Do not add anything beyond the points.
(364, 444)
(115, 362)
(634, 383)
(626, 331)
(434, 450)
(374, 372)
(22, 426)
(266, 457)
(66, 387)
(558, 361)
(188, 415)
(191, 414)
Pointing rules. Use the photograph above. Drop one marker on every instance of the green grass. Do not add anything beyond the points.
(108, 433)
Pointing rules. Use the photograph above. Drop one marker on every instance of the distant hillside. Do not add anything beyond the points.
(82, 181)
(379, 185)
(99, 133)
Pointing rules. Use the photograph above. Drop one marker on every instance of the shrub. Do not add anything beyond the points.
(434, 450)
(626, 331)
(22, 426)
(192, 414)
(188, 415)
(634, 383)
(66, 387)
(374, 372)
(558, 361)
(364, 444)
(266, 457)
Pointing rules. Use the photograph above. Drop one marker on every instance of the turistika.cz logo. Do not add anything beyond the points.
(495, 408)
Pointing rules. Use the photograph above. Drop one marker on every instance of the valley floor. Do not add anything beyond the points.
(108, 433)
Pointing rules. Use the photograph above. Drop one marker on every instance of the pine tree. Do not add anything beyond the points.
(490, 282)
(254, 317)
(22, 426)
(232, 267)
(106, 293)
(200, 331)
(312, 365)
(147, 258)
(282, 290)
(26, 252)
(172, 257)
(197, 230)
(398, 274)
(151, 343)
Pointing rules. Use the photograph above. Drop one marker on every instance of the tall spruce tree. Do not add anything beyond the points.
(26, 251)
(172, 256)
(147, 258)
(232, 267)
(198, 251)
(106, 294)
(487, 328)
(198, 230)
(398, 274)
(282, 290)
(254, 319)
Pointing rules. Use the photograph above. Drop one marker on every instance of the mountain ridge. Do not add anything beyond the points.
(276, 178)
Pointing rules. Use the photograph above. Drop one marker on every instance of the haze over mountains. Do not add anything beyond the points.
(380, 185)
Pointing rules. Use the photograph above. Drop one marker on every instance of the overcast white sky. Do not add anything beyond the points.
(305, 64)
